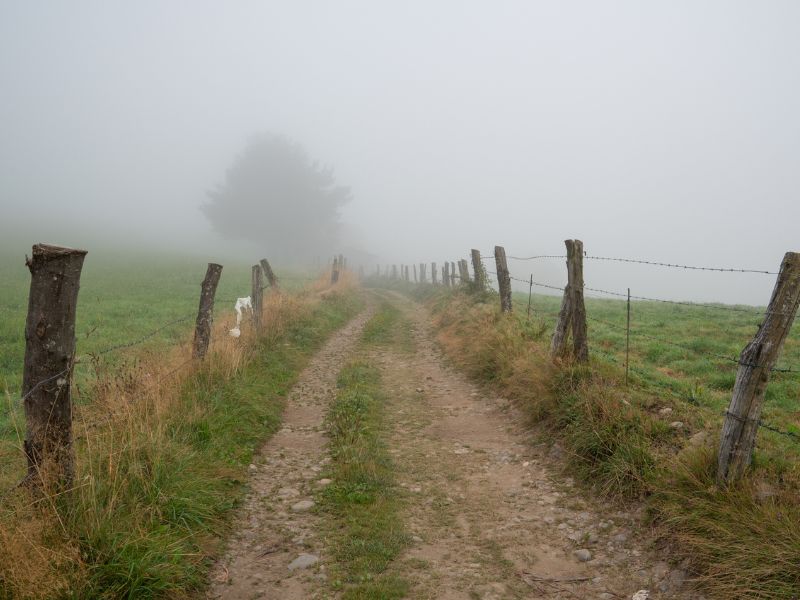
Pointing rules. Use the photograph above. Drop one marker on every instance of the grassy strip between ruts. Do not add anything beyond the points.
(366, 533)
(743, 540)
(151, 506)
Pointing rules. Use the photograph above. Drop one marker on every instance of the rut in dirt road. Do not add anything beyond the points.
(275, 549)
(490, 514)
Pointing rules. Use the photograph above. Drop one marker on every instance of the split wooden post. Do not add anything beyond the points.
(503, 277)
(446, 274)
(49, 360)
(452, 274)
(755, 364)
(477, 267)
(434, 280)
(335, 271)
(257, 292)
(572, 315)
(463, 269)
(270, 274)
(205, 314)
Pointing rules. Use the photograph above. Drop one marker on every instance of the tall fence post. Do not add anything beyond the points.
(205, 314)
(433, 273)
(415, 273)
(422, 273)
(446, 273)
(270, 274)
(257, 292)
(755, 363)
(572, 315)
(49, 359)
(463, 270)
(452, 274)
(477, 267)
(335, 271)
(580, 349)
(530, 296)
(503, 278)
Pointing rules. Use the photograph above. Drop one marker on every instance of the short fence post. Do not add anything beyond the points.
(415, 273)
(452, 274)
(205, 314)
(628, 338)
(755, 363)
(463, 270)
(477, 267)
(422, 272)
(433, 273)
(446, 274)
(335, 271)
(49, 359)
(573, 311)
(257, 291)
(503, 277)
(394, 271)
(267, 268)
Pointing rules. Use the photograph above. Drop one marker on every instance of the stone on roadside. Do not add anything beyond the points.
(324, 481)
(641, 595)
(303, 561)
(583, 555)
(303, 506)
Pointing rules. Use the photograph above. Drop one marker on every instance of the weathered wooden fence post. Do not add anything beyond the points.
(477, 267)
(572, 315)
(452, 274)
(434, 280)
(463, 271)
(503, 278)
(415, 274)
(755, 363)
(394, 271)
(446, 274)
(257, 291)
(267, 268)
(205, 314)
(335, 271)
(49, 359)
(422, 272)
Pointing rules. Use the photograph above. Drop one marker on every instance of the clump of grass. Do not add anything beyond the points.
(162, 451)
(744, 539)
(388, 328)
(367, 533)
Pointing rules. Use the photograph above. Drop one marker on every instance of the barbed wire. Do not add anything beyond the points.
(142, 339)
(678, 266)
(537, 256)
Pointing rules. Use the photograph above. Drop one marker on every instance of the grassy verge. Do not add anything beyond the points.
(642, 442)
(158, 474)
(366, 533)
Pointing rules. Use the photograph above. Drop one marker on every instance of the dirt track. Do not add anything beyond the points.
(490, 513)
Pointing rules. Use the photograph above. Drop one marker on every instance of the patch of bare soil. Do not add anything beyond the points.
(275, 551)
(491, 513)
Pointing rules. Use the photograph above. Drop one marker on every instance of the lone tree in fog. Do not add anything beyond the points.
(275, 195)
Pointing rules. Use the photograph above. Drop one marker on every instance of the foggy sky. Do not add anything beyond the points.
(662, 130)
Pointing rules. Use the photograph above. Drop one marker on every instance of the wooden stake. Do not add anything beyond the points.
(446, 273)
(503, 277)
(257, 292)
(628, 338)
(755, 363)
(530, 296)
(205, 313)
(477, 267)
(572, 315)
(433, 273)
(47, 368)
(452, 274)
(267, 268)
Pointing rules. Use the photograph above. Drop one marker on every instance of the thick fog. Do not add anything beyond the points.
(657, 130)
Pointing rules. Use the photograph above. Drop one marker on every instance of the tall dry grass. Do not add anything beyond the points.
(138, 430)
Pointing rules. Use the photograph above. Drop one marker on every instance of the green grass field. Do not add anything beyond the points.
(122, 299)
(681, 349)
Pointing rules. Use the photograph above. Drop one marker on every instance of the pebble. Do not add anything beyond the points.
(303, 506)
(287, 493)
(325, 481)
(676, 425)
(641, 595)
(303, 561)
(582, 555)
(665, 411)
(252, 468)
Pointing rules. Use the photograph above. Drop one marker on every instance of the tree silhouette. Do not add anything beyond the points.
(276, 196)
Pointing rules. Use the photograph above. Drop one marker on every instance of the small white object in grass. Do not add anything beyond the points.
(242, 304)
(641, 595)
(235, 332)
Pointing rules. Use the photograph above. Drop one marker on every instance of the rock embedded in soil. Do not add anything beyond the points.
(583, 555)
(303, 506)
(303, 561)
